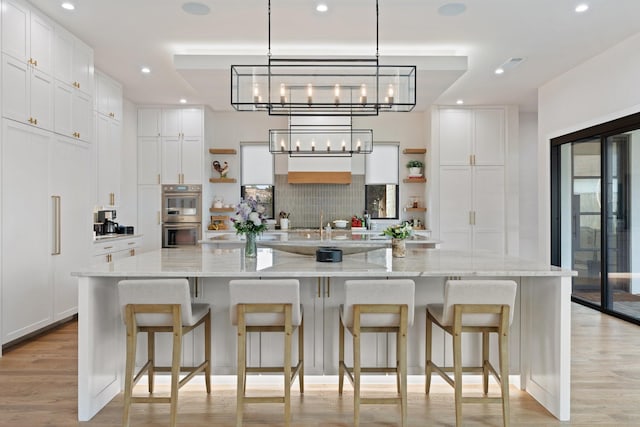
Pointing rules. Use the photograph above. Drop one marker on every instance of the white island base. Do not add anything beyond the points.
(540, 348)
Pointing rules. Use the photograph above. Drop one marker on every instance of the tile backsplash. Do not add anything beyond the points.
(306, 201)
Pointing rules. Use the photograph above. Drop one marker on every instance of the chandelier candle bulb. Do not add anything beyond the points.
(283, 99)
(390, 97)
(282, 145)
(358, 146)
(309, 94)
(256, 94)
(363, 94)
(344, 146)
(313, 145)
(297, 145)
(336, 93)
(328, 145)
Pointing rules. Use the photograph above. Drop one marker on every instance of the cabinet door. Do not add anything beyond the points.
(108, 97)
(148, 160)
(171, 160)
(83, 67)
(149, 218)
(455, 207)
(63, 106)
(41, 43)
(489, 137)
(15, 89)
(149, 122)
(70, 181)
(109, 141)
(26, 243)
(191, 122)
(455, 137)
(81, 115)
(15, 29)
(63, 46)
(489, 208)
(171, 123)
(191, 160)
(41, 99)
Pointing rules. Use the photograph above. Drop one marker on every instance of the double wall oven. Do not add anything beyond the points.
(181, 215)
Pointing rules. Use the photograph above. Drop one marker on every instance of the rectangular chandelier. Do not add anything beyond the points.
(326, 87)
(320, 140)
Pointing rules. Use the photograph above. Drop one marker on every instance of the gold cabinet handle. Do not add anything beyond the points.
(35, 62)
(56, 250)
(30, 120)
(328, 287)
(132, 252)
(319, 289)
(107, 247)
(35, 121)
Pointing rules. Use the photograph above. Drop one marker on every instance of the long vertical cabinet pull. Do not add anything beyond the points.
(56, 250)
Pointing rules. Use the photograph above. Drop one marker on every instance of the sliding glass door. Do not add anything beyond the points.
(596, 214)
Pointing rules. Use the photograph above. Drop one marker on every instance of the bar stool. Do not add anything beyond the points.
(376, 306)
(267, 306)
(484, 306)
(161, 305)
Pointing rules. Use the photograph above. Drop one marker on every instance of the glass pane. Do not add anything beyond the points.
(581, 214)
(623, 222)
(263, 194)
(382, 201)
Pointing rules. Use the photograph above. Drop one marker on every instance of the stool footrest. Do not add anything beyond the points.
(380, 400)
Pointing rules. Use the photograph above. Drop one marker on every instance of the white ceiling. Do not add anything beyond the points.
(127, 34)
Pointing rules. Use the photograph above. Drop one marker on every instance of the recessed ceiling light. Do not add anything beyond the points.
(322, 7)
(499, 71)
(459, 102)
(509, 64)
(183, 101)
(582, 8)
(452, 9)
(145, 70)
(68, 6)
(194, 8)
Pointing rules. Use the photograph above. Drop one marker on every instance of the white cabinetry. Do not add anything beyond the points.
(182, 150)
(27, 36)
(46, 227)
(27, 93)
(109, 250)
(149, 216)
(109, 142)
(149, 121)
(472, 179)
(70, 191)
(148, 160)
(73, 86)
(108, 96)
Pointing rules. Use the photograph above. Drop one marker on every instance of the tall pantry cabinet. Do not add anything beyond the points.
(45, 172)
(471, 201)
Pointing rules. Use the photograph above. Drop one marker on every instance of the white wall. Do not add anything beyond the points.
(128, 204)
(601, 89)
(528, 172)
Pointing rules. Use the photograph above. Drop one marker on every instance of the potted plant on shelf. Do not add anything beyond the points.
(415, 168)
(398, 233)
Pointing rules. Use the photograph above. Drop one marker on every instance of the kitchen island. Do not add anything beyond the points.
(540, 335)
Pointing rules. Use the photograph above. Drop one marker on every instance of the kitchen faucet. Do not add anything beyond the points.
(321, 225)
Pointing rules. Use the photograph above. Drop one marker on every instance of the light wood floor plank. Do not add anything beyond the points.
(38, 387)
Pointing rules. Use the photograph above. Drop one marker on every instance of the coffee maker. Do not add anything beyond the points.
(104, 223)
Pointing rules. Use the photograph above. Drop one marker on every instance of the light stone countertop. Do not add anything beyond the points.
(112, 237)
(207, 261)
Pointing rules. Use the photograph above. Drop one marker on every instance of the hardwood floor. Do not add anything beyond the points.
(38, 387)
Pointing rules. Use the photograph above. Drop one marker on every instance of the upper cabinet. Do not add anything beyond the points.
(108, 96)
(73, 61)
(149, 121)
(182, 122)
(474, 136)
(27, 36)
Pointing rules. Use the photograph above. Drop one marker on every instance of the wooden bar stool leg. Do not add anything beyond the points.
(504, 375)
(132, 338)
(301, 354)
(287, 364)
(427, 356)
(340, 357)
(151, 355)
(207, 351)
(356, 366)
(485, 363)
(175, 365)
(398, 381)
(242, 341)
(402, 355)
(457, 368)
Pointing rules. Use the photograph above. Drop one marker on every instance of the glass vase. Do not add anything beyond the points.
(398, 248)
(250, 248)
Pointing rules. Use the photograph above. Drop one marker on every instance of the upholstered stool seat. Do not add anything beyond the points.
(161, 305)
(267, 306)
(376, 306)
(482, 306)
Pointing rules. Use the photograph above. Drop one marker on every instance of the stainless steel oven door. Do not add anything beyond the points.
(177, 235)
(181, 207)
